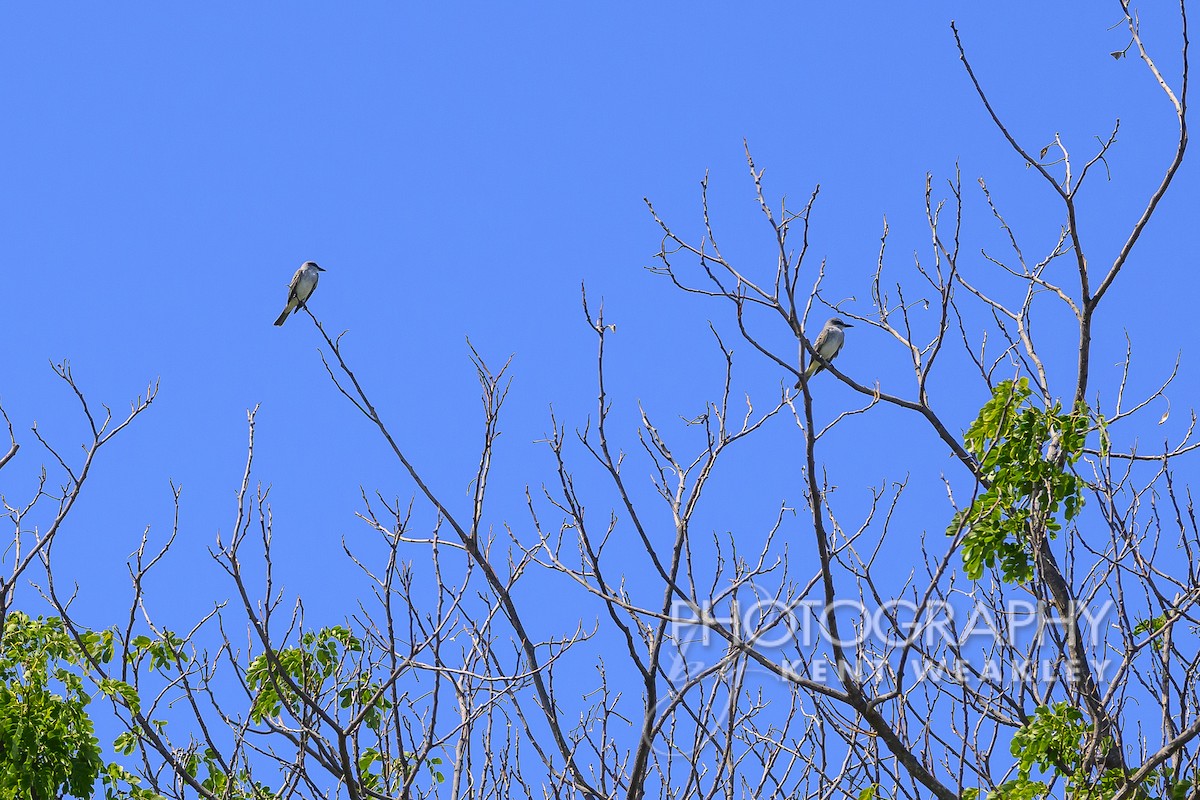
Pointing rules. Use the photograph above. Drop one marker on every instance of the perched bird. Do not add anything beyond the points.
(301, 288)
(828, 344)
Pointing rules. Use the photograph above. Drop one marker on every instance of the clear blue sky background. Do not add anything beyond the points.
(460, 169)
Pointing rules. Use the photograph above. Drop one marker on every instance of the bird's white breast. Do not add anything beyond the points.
(833, 342)
(306, 284)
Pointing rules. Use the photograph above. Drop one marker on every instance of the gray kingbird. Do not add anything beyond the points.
(828, 344)
(301, 288)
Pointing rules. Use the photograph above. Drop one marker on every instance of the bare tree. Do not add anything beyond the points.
(723, 664)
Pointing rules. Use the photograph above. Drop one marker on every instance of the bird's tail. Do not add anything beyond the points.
(814, 367)
(283, 317)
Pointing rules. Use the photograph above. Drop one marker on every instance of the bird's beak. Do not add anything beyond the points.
(319, 269)
(844, 324)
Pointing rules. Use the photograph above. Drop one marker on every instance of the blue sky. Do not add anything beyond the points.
(460, 170)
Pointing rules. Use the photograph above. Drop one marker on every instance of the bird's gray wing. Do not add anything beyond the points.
(814, 364)
(822, 338)
(294, 285)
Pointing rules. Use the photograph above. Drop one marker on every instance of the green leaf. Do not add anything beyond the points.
(1024, 453)
(125, 743)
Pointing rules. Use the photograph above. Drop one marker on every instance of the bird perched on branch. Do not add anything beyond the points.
(300, 289)
(828, 344)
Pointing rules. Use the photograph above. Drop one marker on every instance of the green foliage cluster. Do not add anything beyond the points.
(375, 779)
(48, 748)
(1024, 488)
(47, 745)
(315, 668)
(307, 669)
(46, 740)
(167, 654)
(1052, 742)
(216, 779)
(1152, 626)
